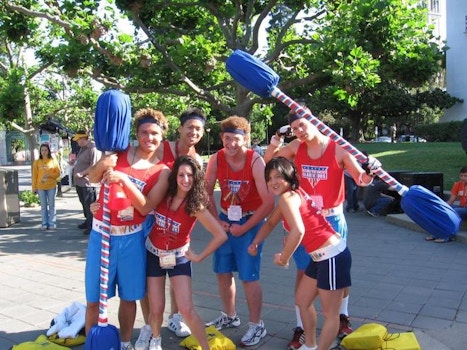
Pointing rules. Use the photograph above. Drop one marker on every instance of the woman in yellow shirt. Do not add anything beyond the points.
(45, 172)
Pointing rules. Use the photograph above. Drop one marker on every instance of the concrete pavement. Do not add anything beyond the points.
(399, 280)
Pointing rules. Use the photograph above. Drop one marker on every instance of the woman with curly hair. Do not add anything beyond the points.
(168, 246)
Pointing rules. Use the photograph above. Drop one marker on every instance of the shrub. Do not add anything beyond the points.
(29, 198)
(440, 132)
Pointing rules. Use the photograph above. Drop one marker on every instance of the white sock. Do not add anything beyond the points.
(124, 344)
(304, 347)
(299, 319)
(344, 306)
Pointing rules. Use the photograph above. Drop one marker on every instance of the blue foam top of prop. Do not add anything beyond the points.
(103, 338)
(430, 212)
(112, 122)
(252, 73)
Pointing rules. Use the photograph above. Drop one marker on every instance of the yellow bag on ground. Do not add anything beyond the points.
(41, 343)
(366, 337)
(80, 339)
(216, 340)
(401, 341)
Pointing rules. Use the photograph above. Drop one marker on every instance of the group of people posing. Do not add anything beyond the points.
(169, 191)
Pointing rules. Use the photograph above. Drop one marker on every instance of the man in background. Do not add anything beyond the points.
(257, 148)
(87, 156)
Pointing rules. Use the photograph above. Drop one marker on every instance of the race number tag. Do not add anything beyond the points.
(234, 213)
(126, 214)
(167, 261)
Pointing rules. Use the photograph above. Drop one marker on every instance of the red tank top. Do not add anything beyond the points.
(168, 157)
(317, 228)
(172, 228)
(237, 188)
(144, 179)
(322, 176)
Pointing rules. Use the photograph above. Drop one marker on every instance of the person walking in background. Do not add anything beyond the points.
(245, 202)
(393, 130)
(375, 201)
(45, 172)
(320, 163)
(59, 157)
(86, 158)
(168, 246)
(328, 274)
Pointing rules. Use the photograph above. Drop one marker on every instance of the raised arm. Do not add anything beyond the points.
(275, 149)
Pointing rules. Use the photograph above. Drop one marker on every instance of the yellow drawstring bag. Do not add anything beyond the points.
(216, 340)
(41, 343)
(366, 337)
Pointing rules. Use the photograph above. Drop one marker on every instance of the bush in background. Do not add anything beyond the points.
(29, 198)
(440, 132)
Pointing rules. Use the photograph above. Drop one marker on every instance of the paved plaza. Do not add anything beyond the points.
(398, 280)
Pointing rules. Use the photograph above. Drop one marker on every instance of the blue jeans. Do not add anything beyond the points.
(49, 214)
(351, 195)
(461, 211)
(381, 205)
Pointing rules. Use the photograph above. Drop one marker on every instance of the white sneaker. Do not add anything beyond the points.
(256, 332)
(224, 321)
(144, 336)
(155, 343)
(178, 326)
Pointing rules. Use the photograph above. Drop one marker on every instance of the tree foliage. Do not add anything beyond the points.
(351, 60)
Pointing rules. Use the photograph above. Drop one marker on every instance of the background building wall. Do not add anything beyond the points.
(456, 59)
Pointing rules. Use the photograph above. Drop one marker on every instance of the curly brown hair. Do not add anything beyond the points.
(236, 122)
(150, 115)
(197, 198)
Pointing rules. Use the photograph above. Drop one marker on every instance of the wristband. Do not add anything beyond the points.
(276, 142)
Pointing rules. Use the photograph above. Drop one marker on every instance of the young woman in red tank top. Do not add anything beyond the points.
(328, 274)
(168, 252)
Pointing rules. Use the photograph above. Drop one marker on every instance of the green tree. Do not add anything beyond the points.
(31, 92)
(343, 56)
(398, 58)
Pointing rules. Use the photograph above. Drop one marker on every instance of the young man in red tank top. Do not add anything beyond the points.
(245, 202)
(145, 181)
(190, 131)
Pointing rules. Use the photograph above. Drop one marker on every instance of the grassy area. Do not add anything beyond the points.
(443, 157)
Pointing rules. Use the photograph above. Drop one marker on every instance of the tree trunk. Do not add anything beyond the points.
(356, 122)
(28, 127)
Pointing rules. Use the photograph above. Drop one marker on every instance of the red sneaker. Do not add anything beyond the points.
(297, 340)
(344, 328)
